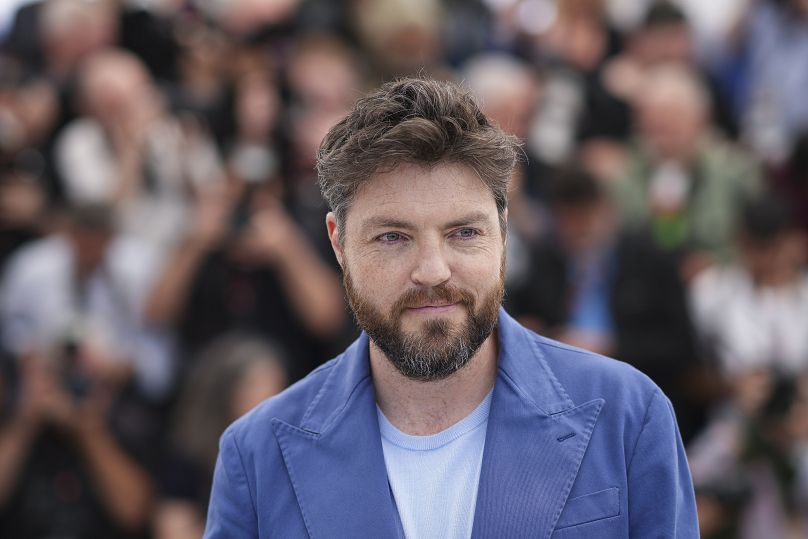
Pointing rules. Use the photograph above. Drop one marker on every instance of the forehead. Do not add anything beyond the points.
(422, 195)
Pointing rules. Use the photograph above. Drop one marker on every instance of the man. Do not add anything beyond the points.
(612, 291)
(682, 179)
(128, 151)
(83, 375)
(84, 285)
(445, 418)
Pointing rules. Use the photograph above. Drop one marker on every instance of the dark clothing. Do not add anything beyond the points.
(183, 479)
(227, 297)
(648, 307)
(152, 39)
(55, 498)
(54, 495)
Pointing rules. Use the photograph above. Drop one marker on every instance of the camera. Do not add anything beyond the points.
(71, 372)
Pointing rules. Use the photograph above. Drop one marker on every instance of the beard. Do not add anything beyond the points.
(442, 347)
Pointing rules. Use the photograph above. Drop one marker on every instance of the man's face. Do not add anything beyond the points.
(90, 248)
(584, 226)
(665, 43)
(670, 126)
(423, 265)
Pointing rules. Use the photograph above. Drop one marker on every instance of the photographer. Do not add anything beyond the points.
(77, 428)
(246, 265)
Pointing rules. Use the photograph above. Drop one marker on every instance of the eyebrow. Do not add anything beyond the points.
(386, 222)
(469, 219)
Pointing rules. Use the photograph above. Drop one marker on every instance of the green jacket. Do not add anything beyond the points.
(724, 176)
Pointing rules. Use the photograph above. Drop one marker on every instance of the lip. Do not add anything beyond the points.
(433, 309)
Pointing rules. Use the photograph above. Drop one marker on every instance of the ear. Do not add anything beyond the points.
(333, 236)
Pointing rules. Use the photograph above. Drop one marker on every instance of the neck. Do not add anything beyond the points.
(423, 408)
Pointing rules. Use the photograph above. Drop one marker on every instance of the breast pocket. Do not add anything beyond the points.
(590, 508)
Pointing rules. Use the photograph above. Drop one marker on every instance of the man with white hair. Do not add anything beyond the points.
(681, 179)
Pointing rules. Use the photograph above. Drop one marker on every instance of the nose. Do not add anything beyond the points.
(431, 267)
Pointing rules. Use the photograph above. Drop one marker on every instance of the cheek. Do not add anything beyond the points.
(378, 266)
(374, 279)
(480, 275)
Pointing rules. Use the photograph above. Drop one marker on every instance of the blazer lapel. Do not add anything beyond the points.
(335, 457)
(535, 442)
(534, 445)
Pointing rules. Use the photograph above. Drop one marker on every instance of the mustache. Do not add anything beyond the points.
(441, 294)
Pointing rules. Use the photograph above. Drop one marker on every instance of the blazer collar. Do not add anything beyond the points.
(335, 459)
(520, 361)
(535, 441)
(522, 365)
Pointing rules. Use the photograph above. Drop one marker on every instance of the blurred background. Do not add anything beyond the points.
(164, 264)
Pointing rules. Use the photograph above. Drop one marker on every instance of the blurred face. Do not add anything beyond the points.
(308, 130)
(90, 248)
(670, 43)
(324, 79)
(256, 107)
(423, 264)
(513, 109)
(116, 89)
(585, 226)
(39, 108)
(773, 261)
(582, 8)
(670, 126)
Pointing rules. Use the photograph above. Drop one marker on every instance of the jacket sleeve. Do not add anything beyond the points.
(660, 495)
(231, 513)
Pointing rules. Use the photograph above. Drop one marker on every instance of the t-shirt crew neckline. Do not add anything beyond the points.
(477, 417)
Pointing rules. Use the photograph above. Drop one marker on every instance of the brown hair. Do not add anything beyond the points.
(418, 121)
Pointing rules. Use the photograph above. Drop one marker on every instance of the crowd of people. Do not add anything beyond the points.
(164, 264)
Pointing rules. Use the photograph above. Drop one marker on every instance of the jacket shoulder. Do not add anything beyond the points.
(586, 375)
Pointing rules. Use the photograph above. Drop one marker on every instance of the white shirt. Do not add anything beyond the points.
(41, 304)
(752, 327)
(158, 214)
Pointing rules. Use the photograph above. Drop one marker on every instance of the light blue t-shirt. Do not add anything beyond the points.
(434, 478)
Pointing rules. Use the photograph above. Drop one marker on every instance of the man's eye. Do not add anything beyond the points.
(466, 233)
(391, 237)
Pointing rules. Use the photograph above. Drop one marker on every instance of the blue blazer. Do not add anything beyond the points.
(577, 446)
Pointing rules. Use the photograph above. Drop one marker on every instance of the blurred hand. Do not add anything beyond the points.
(89, 415)
(271, 235)
(211, 216)
(46, 399)
(100, 367)
(21, 203)
(130, 127)
(751, 390)
(694, 263)
(42, 397)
